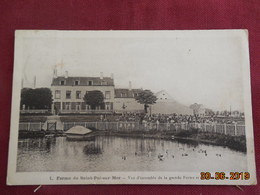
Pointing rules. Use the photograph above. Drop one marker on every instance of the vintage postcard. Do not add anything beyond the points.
(131, 107)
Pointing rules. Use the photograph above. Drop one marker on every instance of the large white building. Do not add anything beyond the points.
(68, 93)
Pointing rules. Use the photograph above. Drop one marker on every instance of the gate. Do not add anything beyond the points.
(51, 126)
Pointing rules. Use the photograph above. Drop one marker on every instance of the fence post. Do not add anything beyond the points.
(28, 126)
(225, 129)
(235, 129)
(215, 127)
(40, 125)
(96, 125)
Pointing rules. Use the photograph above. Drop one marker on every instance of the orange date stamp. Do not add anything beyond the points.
(225, 176)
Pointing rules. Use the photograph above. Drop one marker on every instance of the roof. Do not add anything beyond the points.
(83, 81)
(79, 130)
(126, 93)
(163, 95)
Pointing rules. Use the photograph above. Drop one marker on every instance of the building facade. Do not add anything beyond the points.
(68, 93)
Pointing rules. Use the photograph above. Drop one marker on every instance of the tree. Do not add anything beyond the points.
(24, 97)
(40, 98)
(94, 98)
(195, 107)
(146, 97)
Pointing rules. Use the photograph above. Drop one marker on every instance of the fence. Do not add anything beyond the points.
(30, 126)
(35, 111)
(227, 129)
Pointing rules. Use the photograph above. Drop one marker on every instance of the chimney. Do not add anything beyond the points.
(34, 82)
(101, 75)
(55, 73)
(66, 74)
(130, 85)
(112, 76)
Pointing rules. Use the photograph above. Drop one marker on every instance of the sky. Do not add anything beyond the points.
(193, 67)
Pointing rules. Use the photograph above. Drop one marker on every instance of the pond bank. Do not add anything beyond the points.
(237, 143)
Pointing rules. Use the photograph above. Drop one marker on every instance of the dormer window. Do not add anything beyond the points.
(62, 82)
(76, 82)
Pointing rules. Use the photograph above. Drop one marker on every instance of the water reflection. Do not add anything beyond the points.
(110, 153)
(92, 149)
(38, 144)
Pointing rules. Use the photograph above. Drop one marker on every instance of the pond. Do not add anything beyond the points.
(112, 153)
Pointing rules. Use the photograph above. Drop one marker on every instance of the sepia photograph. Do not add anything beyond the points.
(131, 107)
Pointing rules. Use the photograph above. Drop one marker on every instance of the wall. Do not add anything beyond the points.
(130, 103)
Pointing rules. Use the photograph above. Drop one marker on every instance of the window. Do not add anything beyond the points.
(90, 82)
(123, 94)
(67, 106)
(78, 106)
(107, 95)
(108, 106)
(62, 82)
(78, 94)
(68, 94)
(76, 82)
(57, 94)
(103, 83)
